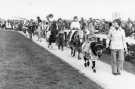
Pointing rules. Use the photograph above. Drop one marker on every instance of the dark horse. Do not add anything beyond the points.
(60, 40)
(75, 44)
(54, 32)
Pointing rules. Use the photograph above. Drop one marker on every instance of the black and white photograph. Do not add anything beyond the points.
(67, 44)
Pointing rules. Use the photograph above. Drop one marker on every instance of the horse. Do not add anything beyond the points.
(92, 50)
(61, 40)
(75, 43)
(53, 33)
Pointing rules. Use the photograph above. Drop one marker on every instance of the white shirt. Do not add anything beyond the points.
(75, 25)
(117, 38)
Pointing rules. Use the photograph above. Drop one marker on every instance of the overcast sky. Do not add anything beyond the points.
(67, 8)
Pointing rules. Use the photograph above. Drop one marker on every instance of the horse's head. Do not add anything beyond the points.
(97, 48)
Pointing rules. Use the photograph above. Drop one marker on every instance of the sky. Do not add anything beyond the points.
(67, 8)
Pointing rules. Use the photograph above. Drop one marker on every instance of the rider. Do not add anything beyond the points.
(52, 29)
(60, 35)
(75, 25)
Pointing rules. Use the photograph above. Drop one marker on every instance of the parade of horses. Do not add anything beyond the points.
(86, 40)
(63, 35)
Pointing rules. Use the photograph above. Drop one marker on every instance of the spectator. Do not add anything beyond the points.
(117, 46)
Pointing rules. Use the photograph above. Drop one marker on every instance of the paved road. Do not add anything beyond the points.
(25, 65)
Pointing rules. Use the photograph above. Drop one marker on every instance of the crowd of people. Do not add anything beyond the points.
(77, 34)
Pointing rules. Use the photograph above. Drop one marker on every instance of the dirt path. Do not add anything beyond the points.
(25, 65)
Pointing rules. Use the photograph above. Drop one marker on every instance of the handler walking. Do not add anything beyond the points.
(118, 46)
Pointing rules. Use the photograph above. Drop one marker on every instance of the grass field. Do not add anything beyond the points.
(25, 65)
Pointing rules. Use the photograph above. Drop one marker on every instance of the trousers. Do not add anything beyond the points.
(118, 60)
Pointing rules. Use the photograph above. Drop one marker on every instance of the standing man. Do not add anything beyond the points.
(117, 46)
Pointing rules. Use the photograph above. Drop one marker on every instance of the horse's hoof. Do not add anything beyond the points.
(94, 70)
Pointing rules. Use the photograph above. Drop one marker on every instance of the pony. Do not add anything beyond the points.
(75, 43)
(92, 51)
(61, 39)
